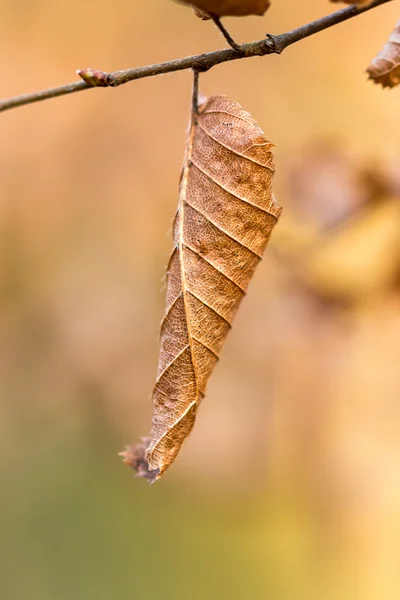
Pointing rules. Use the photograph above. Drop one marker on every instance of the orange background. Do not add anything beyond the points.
(289, 486)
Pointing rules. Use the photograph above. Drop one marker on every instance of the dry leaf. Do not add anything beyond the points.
(228, 8)
(225, 216)
(385, 67)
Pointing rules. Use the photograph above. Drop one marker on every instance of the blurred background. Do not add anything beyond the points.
(289, 486)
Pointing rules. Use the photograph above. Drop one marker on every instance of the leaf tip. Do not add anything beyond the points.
(134, 456)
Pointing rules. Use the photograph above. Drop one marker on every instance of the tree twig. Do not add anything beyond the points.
(200, 62)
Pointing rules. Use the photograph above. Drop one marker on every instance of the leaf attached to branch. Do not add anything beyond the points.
(225, 216)
(385, 67)
(228, 8)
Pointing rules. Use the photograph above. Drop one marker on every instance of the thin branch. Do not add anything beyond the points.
(201, 62)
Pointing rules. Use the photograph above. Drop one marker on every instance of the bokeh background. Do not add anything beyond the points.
(289, 486)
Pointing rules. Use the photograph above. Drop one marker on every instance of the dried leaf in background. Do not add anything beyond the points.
(228, 8)
(225, 216)
(385, 67)
(339, 241)
(359, 260)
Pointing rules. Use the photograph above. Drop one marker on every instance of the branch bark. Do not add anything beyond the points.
(272, 44)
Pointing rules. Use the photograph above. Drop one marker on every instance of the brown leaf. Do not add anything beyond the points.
(385, 67)
(225, 216)
(228, 8)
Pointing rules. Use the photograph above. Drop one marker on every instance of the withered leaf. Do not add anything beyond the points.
(385, 67)
(225, 216)
(228, 8)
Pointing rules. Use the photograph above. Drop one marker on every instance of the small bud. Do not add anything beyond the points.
(95, 78)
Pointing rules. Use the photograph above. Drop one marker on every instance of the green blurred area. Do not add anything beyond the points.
(289, 486)
(76, 529)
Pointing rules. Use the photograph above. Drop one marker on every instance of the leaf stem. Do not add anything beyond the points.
(195, 95)
(235, 46)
